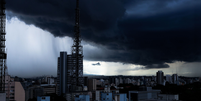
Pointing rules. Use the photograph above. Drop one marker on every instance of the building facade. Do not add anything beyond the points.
(43, 98)
(143, 95)
(120, 97)
(159, 77)
(106, 96)
(82, 98)
(169, 78)
(169, 97)
(174, 78)
(14, 89)
(34, 92)
(61, 73)
(64, 74)
(2, 96)
(91, 84)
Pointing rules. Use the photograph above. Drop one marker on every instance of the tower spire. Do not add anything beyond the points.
(77, 51)
(3, 55)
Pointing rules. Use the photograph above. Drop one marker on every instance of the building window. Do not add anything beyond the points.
(11, 93)
(11, 97)
(11, 90)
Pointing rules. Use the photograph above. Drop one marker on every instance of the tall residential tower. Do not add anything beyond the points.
(3, 55)
(70, 67)
(159, 77)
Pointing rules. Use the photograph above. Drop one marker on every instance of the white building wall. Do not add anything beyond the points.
(50, 80)
(97, 96)
(2, 96)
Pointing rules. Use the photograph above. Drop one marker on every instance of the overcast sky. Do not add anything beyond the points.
(127, 37)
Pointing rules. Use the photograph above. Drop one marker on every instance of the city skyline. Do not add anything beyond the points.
(133, 37)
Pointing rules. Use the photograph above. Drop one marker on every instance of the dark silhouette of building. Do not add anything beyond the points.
(159, 77)
(70, 67)
(62, 69)
(85, 81)
(3, 55)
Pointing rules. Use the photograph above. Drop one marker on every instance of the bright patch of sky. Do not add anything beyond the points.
(33, 52)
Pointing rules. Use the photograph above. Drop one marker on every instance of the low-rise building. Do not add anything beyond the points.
(14, 89)
(174, 97)
(120, 97)
(48, 88)
(143, 95)
(82, 98)
(74, 95)
(34, 92)
(43, 98)
(106, 96)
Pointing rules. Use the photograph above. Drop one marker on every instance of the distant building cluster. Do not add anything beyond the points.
(98, 88)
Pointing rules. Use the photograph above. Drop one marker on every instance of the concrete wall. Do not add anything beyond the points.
(2, 96)
(19, 92)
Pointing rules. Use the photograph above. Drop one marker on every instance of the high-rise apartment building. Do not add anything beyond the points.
(3, 54)
(169, 78)
(116, 81)
(64, 74)
(61, 72)
(91, 84)
(58, 77)
(70, 67)
(159, 77)
(120, 80)
(175, 78)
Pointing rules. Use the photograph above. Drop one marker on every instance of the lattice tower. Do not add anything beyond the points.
(77, 52)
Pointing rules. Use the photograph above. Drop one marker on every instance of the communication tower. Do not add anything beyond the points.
(77, 53)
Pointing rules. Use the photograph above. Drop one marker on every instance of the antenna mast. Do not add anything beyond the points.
(77, 52)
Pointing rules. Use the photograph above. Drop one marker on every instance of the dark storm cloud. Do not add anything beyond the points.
(145, 32)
